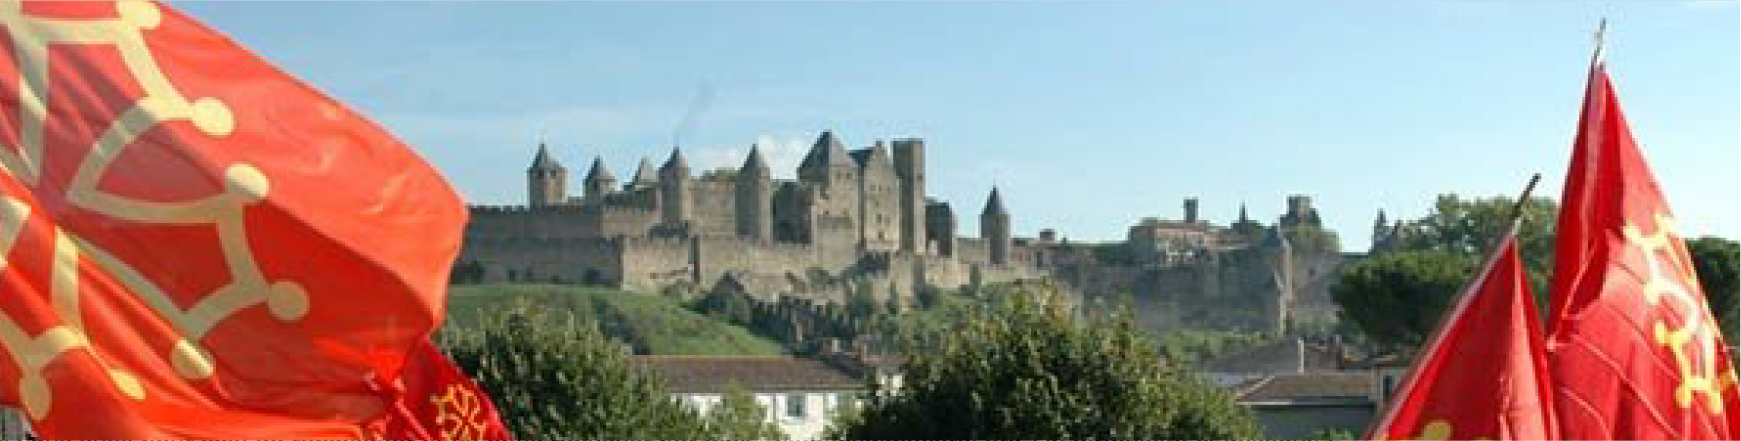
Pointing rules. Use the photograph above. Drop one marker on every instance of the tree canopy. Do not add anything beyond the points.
(1472, 226)
(1024, 368)
(555, 377)
(1396, 296)
(1716, 261)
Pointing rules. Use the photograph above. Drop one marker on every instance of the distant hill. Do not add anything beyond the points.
(653, 324)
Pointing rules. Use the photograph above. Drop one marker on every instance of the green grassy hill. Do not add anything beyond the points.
(653, 324)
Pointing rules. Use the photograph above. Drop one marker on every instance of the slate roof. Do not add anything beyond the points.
(994, 205)
(676, 161)
(599, 172)
(712, 374)
(543, 161)
(754, 161)
(877, 154)
(860, 156)
(827, 152)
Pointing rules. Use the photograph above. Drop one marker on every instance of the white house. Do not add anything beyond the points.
(801, 395)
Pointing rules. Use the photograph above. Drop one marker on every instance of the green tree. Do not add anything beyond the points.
(555, 377)
(1715, 259)
(1396, 298)
(1471, 227)
(731, 306)
(739, 417)
(1465, 230)
(1192, 347)
(928, 296)
(1025, 369)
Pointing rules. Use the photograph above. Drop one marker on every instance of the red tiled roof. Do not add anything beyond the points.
(712, 374)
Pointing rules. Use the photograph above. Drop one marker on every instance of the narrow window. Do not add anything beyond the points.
(795, 406)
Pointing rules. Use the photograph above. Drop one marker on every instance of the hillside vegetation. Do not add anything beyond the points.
(651, 324)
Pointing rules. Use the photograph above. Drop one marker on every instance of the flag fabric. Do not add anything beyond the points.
(187, 234)
(438, 401)
(1483, 374)
(1633, 348)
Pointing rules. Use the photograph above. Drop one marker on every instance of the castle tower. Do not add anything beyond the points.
(1300, 212)
(1380, 231)
(599, 181)
(994, 228)
(879, 199)
(940, 227)
(1245, 227)
(674, 200)
(1190, 210)
(832, 175)
(645, 176)
(546, 180)
(755, 192)
(828, 163)
(910, 169)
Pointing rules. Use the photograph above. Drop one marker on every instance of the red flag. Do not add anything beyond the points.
(1483, 375)
(187, 233)
(1635, 353)
(438, 401)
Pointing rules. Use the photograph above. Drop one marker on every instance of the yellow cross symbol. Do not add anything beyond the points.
(244, 185)
(459, 413)
(1693, 343)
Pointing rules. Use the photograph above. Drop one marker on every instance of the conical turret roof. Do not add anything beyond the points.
(645, 173)
(676, 160)
(754, 161)
(599, 172)
(543, 160)
(994, 205)
(827, 152)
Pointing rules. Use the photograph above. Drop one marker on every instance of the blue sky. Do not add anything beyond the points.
(1088, 115)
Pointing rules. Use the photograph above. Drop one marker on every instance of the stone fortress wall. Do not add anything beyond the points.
(861, 217)
(858, 215)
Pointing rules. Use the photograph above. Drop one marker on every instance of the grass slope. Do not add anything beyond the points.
(653, 324)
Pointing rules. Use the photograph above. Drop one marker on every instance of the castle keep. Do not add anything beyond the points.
(860, 215)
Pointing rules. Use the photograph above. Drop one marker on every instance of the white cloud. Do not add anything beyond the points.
(782, 152)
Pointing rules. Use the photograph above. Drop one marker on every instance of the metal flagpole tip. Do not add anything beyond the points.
(1601, 38)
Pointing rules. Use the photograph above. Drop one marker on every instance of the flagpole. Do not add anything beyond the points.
(1459, 301)
(1517, 206)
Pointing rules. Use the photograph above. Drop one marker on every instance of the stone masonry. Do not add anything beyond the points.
(860, 215)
